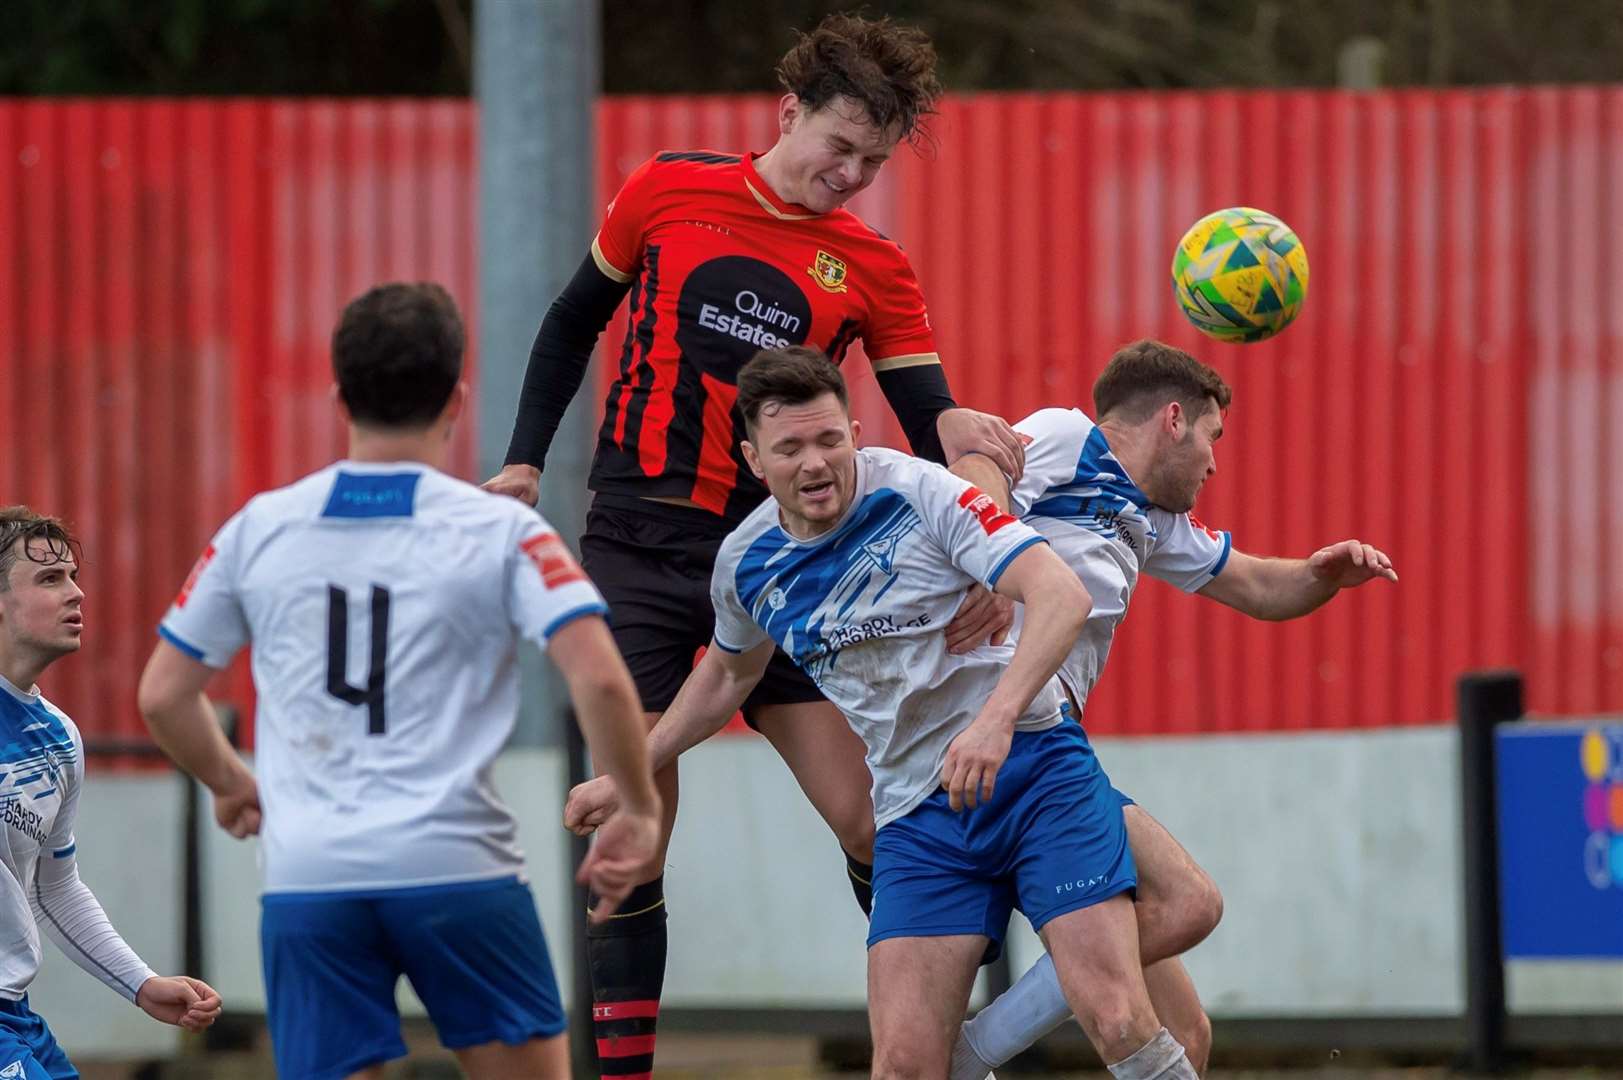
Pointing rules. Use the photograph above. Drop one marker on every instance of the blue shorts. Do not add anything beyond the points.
(28, 1050)
(1052, 840)
(473, 952)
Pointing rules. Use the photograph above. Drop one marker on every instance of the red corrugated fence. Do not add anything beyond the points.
(1451, 391)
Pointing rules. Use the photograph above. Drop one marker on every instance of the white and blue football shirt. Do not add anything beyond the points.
(385, 603)
(1079, 497)
(863, 608)
(42, 768)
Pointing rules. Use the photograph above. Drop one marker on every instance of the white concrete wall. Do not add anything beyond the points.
(1338, 855)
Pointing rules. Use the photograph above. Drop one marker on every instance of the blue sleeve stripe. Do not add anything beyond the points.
(1003, 564)
(1223, 559)
(724, 647)
(180, 643)
(571, 615)
(65, 852)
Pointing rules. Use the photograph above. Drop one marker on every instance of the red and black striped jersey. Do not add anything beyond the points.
(719, 268)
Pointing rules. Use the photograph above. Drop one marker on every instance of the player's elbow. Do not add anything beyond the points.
(156, 695)
(1070, 599)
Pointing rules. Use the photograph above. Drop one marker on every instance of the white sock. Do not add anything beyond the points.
(966, 1063)
(1162, 1058)
(1021, 1015)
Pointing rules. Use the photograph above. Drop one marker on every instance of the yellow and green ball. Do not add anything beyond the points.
(1240, 275)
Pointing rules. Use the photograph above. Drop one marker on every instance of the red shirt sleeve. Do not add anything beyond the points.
(618, 246)
(898, 324)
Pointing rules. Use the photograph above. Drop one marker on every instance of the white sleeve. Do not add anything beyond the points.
(1054, 439)
(206, 620)
(736, 629)
(1186, 553)
(976, 536)
(547, 589)
(68, 911)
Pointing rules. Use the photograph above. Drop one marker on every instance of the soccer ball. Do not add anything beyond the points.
(1240, 275)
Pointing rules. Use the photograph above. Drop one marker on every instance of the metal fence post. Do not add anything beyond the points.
(1485, 700)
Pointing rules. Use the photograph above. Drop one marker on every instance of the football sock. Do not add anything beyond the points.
(1022, 1014)
(1162, 1058)
(966, 1063)
(861, 875)
(627, 954)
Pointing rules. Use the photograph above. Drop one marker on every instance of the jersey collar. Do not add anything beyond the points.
(783, 211)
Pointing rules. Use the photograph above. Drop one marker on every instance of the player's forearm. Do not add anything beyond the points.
(185, 728)
(983, 472)
(558, 360)
(611, 719)
(73, 918)
(1286, 589)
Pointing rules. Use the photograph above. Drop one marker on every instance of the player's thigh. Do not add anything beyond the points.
(537, 1059)
(918, 991)
(1095, 951)
(476, 956)
(1179, 902)
(655, 579)
(330, 975)
(829, 762)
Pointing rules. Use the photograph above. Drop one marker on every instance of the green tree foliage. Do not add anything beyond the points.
(706, 46)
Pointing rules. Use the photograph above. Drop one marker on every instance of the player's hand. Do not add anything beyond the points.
(983, 616)
(590, 804)
(522, 482)
(965, 431)
(973, 759)
(180, 1000)
(1350, 563)
(237, 808)
(619, 858)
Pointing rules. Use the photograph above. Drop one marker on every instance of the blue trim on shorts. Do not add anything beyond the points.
(180, 643)
(396, 892)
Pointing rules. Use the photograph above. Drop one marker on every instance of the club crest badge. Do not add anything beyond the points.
(828, 272)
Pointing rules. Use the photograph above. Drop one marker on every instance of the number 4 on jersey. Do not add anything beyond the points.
(338, 654)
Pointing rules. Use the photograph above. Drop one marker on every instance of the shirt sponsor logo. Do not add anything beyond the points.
(980, 504)
(190, 583)
(755, 321)
(553, 559)
(828, 272)
(21, 818)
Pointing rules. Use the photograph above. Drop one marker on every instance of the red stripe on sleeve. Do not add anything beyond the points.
(625, 1046)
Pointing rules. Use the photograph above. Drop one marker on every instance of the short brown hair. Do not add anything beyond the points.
(397, 354)
(1145, 375)
(19, 525)
(888, 67)
(792, 375)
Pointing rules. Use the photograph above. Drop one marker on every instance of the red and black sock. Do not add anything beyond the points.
(627, 953)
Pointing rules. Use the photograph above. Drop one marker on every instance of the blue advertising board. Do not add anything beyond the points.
(1560, 803)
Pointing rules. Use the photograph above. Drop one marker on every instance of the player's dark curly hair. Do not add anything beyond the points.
(1145, 375)
(19, 526)
(792, 375)
(888, 67)
(397, 354)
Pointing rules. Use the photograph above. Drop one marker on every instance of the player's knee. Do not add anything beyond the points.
(1201, 904)
(855, 832)
(1197, 1041)
(906, 1062)
(1115, 1018)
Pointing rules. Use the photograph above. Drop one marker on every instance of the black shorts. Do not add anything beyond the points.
(652, 563)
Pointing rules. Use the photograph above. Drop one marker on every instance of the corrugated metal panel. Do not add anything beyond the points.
(1450, 392)
(173, 273)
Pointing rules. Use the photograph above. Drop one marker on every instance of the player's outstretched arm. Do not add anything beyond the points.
(711, 694)
(558, 361)
(1278, 589)
(183, 724)
(984, 616)
(1057, 606)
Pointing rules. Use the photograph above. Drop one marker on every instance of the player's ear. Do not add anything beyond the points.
(455, 403)
(338, 403)
(752, 459)
(1173, 419)
(788, 113)
(856, 432)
